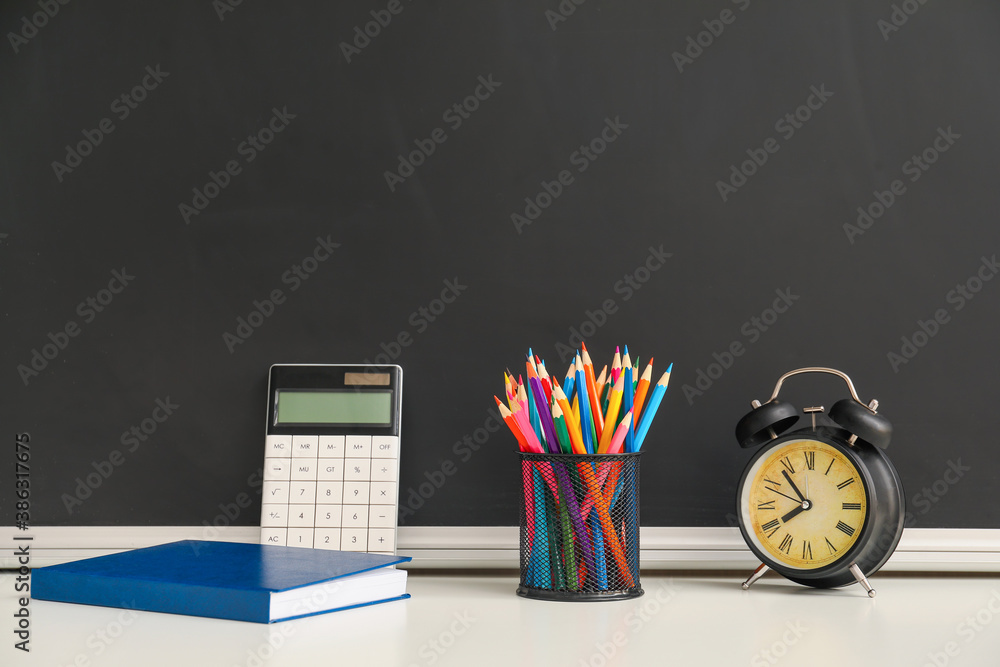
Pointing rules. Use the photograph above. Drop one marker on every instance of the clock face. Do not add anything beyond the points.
(804, 504)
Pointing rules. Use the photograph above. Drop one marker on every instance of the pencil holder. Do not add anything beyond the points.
(580, 527)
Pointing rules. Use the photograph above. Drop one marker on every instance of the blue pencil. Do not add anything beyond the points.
(584, 402)
(569, 380)
(602, 565)
(650, 410)
(539, 562)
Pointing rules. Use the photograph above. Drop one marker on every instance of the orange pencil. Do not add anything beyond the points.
(614, 405)
(642, 388)
(595, 398)
(600, 382)
(573, 426)
(508, 418)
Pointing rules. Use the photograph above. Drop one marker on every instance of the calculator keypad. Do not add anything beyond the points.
(331, 492)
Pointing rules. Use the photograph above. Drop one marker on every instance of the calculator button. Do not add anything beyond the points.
(304, 469)
(274, 516)
(329, 493)
(279, 446)
(385, 447)
(382, 516)
(302, 516)
(384, 470)
(330, 470)
(300, 537)
(273, 536)
(275, 492)
(355, 539)
(328, 516)
(305, 446)
(355, 516)
(277, 469)
(356, 492)
(302, 492)
(383, 493)
(358, 446)
(327, 538)
(382, 539)
(357, 470)
(331, 446)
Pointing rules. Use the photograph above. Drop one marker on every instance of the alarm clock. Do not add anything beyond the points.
(821, 505)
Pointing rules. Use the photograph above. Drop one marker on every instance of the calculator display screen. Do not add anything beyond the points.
(334, 407)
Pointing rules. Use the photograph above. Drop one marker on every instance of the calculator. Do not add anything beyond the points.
(331, 457)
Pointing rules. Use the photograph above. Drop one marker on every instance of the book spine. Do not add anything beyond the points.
(161, 596)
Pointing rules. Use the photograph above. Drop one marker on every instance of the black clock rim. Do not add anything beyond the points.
(827, 436)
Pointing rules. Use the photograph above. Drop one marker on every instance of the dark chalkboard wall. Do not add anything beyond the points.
(273, 158)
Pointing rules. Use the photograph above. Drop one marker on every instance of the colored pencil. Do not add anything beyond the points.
(614, 404)
(576, 438)
(562, 431)
(628, 397)
(508, 418)
(521, 416)
(544, 416)
(568, 382)
(654, 403)
(540, 552)
(586, 425)
(642, 388)
(619, 438)
(595, 408)
(546, 381)
(602, 380)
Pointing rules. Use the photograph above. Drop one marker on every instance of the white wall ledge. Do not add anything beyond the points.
(496, 547)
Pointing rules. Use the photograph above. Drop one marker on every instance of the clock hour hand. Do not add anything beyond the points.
(795, 512)
(794, 488)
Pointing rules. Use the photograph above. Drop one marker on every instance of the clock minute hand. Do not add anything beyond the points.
(794, 488)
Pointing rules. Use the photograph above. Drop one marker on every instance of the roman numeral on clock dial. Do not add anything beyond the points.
(786, 544)
(845, 529)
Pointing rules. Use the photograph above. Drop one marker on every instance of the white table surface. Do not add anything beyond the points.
(478, 620)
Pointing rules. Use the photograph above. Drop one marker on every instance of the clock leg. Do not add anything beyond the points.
(860, 576)
(757, 574)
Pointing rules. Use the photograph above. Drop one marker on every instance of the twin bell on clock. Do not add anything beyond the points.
(822, 504)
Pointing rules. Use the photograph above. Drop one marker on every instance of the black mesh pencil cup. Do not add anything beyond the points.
(580, 527)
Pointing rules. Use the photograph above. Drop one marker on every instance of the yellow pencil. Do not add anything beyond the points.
(614, 405)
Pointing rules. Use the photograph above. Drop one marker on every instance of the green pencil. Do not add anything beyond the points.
(562, 431)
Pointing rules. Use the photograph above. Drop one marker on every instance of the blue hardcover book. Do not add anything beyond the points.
(243, 582)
